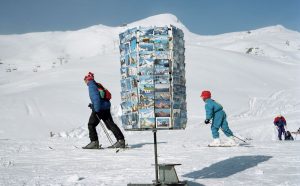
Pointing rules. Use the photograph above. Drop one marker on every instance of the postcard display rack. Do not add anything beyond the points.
(153, 83)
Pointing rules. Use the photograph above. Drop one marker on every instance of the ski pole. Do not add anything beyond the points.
(234, 136)
(105, 131)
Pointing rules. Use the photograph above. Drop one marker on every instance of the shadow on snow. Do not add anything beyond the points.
(194, 184)
(228, 167)
(139, 145)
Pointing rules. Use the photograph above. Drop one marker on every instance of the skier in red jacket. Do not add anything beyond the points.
(280, 123)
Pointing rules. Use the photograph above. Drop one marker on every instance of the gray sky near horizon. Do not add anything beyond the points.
(205, 17)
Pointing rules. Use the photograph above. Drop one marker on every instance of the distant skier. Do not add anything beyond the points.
(215, 112)
(100, 110)
(280, 124)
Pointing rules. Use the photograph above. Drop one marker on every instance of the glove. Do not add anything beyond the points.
(207, 121)
(90, 105)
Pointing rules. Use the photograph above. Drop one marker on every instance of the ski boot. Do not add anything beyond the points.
(92, 145)
(118, 144)
(215, 143)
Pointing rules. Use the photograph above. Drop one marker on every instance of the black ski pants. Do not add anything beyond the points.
(105, 116)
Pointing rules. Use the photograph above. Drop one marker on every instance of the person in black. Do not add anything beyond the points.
(100, 111)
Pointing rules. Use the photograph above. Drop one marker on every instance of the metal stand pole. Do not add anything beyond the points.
(155, 155)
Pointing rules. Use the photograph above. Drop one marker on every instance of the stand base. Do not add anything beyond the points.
(167, 177)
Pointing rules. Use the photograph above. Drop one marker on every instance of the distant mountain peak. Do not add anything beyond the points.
(274, 28)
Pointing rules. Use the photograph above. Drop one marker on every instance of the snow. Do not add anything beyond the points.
(253, 88)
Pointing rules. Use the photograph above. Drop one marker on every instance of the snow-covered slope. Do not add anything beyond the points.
(44, 94)
(55, 99)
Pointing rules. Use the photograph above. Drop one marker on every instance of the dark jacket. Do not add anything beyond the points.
(98, 103)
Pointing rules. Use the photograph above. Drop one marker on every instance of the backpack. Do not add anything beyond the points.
(104, 93)
(288, 136)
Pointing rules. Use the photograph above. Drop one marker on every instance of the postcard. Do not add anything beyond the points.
(146, 46)
(158, 70)
(162, 54)
(162, 104)
(125, 96)
(126, 107)
(133, 59)
(161, 45)
(146, 103)
(133, 95)
(164, 79)
(161, 30)
(146, 79)
(147, 122)
(146, 54)
(133, 44)
(132, 71)
(176, 105)
(177, 123)
(146, 113)
(134, 106)
(146, 62)
(124, 85)
(125, 120)
(134, 83)
(122, 49)
(162, 95)
(162, 88)
(145, 31)
(127, 61)
(124, 72)
(122, 37)
(144, 89)
(163, 122)
(130, 121)
(146, 96)
(146, 70)
(162, 113)
(162, 63)
(127, 48)
(129, 83)
(176, 113)
(122, 60)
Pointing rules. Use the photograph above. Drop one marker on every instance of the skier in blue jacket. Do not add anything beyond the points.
(215, 112)
(100, 111)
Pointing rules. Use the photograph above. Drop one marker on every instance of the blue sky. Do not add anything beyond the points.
(206, 17)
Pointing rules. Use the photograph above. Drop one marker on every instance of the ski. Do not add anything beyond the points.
(105, 148)
(223, 145)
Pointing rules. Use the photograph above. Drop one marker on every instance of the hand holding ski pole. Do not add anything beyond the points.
(207, 121)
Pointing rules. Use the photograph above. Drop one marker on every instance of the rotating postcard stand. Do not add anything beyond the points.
(153, 87)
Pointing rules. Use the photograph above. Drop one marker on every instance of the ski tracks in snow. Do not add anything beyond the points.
(280, 102)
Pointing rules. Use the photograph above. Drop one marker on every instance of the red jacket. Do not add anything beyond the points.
(280, 121)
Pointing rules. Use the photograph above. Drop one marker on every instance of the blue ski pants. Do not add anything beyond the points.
(220, 121)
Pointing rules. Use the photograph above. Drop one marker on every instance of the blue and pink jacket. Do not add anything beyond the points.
(98, 103)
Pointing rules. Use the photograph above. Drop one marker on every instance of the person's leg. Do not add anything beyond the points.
(225, 127)
(109, 123)
(93, 122)
(214, 131)
(279, 133)
(215, 126)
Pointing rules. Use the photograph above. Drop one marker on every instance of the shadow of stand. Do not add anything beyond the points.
(139, 145)
(190, 183)
(228, 167)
